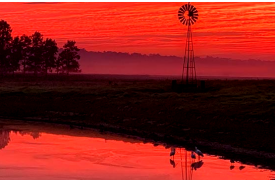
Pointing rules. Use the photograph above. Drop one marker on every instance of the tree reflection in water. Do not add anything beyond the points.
(4, 138)
(34, 135)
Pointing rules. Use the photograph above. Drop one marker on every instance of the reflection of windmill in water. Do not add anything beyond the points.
(4, 138)
(188, 165)
(188, 15)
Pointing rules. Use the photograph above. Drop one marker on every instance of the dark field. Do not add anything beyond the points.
(236, 113)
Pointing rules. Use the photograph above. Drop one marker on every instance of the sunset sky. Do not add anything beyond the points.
(240, 30)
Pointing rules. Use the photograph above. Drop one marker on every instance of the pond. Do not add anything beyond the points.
(31, 153)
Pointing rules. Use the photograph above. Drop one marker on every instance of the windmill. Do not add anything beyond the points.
(188, 15)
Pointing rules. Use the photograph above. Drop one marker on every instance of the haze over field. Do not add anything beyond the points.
(154, 64)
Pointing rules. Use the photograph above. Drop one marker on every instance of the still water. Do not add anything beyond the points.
(32, 154)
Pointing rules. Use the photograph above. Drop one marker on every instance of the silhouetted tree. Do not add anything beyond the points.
(25, 42)
(50, 50)
(15, 54)
(5, 41)
(35, 54)
(35, 59)
(58, 64)
(68, 58)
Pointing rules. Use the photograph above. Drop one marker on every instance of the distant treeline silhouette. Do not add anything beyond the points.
(35, 54)
(109, 62)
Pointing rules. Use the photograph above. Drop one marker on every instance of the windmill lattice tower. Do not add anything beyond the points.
(188, 15)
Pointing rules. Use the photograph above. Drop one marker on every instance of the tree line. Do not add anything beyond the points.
(34, 54)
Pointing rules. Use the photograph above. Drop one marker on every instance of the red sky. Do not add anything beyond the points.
(240, 30)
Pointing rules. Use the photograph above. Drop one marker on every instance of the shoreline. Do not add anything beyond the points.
(259, 159)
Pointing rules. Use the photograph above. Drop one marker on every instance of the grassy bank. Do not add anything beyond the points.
(239, 113)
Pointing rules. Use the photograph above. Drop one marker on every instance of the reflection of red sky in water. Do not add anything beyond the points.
(57, 157)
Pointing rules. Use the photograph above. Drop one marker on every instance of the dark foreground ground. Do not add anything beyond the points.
(231, 117)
